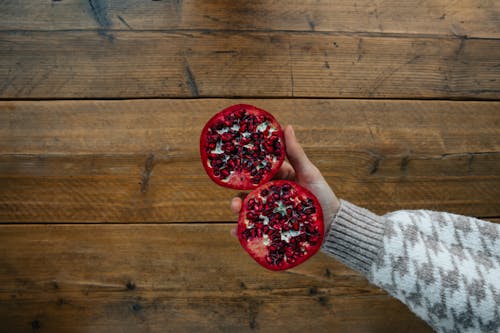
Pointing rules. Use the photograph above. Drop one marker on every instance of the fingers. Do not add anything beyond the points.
(300, 168)
(235, 208)
(285, 172)
(236, 205)
(303, 167)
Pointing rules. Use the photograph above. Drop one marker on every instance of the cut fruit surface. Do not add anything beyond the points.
(242, 147)
(280, 225)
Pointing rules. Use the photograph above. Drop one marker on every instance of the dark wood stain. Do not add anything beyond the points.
(99, 13)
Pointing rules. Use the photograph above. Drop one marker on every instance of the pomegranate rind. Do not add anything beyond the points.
(258, 247)
(243, 180)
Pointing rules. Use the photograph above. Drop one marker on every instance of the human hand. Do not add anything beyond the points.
(302, 171)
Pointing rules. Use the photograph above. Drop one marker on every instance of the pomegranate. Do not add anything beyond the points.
(280, 224)
(242, 147)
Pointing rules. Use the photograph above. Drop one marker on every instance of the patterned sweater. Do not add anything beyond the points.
(444, 267)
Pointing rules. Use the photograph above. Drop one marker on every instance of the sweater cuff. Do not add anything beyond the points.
(355, 237)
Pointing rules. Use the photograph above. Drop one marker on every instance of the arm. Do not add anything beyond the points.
(444, 267)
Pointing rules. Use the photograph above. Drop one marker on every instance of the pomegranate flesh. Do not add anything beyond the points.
(242, 147)
(280, 225)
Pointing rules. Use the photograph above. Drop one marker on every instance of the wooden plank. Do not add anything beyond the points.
(135, 161)
(474, 18)
(224, 64)
(176, 278)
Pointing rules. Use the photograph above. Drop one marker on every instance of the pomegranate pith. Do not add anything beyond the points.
(280, 225)
(242, 147)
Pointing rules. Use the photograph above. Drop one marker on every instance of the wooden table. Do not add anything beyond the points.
(109, 221)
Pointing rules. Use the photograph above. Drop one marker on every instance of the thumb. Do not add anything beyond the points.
(296, 155)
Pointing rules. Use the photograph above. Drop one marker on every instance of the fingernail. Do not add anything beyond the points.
(292, 131)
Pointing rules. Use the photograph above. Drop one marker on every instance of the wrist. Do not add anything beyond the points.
(329, 214)
(355, 236)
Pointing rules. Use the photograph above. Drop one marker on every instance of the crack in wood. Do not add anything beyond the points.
(405, 159)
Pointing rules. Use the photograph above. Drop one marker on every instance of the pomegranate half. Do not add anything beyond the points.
(280, 225)
(242, 147)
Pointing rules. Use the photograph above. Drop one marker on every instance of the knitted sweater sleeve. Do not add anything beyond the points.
(444, 267)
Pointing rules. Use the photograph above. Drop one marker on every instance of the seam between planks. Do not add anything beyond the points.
(250, 31)
(222, 223)
(125, 98)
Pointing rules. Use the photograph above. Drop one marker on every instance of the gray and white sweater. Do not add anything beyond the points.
(444, 267)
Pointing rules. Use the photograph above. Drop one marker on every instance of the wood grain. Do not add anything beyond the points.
(129, 161)
(474, 18)
(176, 278)
(135, 161)
(127, 64)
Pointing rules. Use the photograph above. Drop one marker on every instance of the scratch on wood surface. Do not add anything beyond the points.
(469, 163)
(371, 134)
(124, 22)
(374, 166)
(376, 163)
(368, 126)
(253, 311)
(7, 83)
(191, 80)
(310, 276)
(378, 17)
(90, 285)
(413, 59)
(405, 160)
(382, 77)
(311, 23)
(146, 173)
(226, 52)
(211, 18)
(360, 49)
(460, 48)
(34, 83)
(457, 31)
(453, 155)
